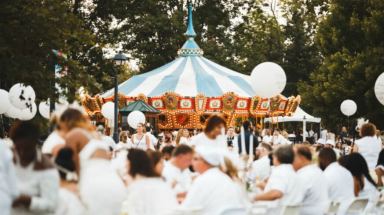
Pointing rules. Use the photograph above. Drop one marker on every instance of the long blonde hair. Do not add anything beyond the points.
(179, 135)
(229, 168)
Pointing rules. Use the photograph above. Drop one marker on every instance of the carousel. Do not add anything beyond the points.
(189, 89)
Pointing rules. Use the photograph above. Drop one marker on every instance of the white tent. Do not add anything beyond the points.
(299, 116)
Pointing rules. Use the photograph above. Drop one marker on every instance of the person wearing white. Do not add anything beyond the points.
(311, 177)
(176, 172)
(148, 194)
(261, 168)
(267, 137)
(53, 140)
(38, 181)
(140, 140)
(212, 191)
(212, 135)
(339, 180)
(368, 146)
(283, 187)
(101, 189)
(8, 186)
(231, 138)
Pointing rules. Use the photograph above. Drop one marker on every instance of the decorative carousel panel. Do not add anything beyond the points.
(186, 104)
(214, 104)
(171, 101)
(229, 102)
(263, 106)
(254, 104)
(242, 105)
(183, 120)
(200, 103)
(165, 121)
(295, 104)
(157, 103)
(274, 104)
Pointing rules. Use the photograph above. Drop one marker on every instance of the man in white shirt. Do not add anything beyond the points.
(315, 201)
(261, 168)
(339, 180)
(283, 187)
(176, 171)
(212, 191)
(212, 134)
(8, 187)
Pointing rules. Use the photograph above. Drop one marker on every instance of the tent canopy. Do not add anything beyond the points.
(299, 116)
(139, 106)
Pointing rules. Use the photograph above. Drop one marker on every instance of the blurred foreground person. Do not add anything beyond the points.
(98, 181)
(38, 180)
(315, 201)
(261, 168)
(212, 134)
(69, 199)
(379, 170)
(213, 191)
(339, 180)
(53, 140)
(365, 187)
(176, 172)
(283, 187)
(8, 186)
(148, 194)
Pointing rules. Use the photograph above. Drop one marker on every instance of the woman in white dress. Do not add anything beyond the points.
(38, 180)
(368, 146)
(183, 137)
(140, 140)
(148, 194)
(101, 189)
(69, 198)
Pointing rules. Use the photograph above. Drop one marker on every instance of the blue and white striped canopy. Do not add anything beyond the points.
(188, 75)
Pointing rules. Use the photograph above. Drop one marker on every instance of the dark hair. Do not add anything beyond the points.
(246, 125)
(304, 151)
(73, 118)
(213, 122)
(368, 129)
(358, 167)
(155, 156)
(167, 150)
(326, 157)
(25, 131)
(140, 163)
(284, 154)
(266, 146)
(64, 162)
(380, 160)
(181, 149)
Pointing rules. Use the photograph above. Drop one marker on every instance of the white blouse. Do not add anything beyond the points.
(369, 147)
(140, 143)
(69, 203)
(42, 186)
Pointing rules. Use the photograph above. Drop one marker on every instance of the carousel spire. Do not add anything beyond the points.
(190, 47)
(190, 31)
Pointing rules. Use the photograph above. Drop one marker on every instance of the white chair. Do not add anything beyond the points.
(234, 211)
(291, 210)
(333, 208)
(357, 207)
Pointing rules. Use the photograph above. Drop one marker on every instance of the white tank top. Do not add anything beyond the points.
(139, 143)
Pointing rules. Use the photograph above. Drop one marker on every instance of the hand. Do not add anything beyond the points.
(22, 200)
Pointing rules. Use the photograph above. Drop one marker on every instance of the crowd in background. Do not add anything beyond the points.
(218, 170)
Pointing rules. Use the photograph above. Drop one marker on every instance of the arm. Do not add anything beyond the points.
(148, 142)
(269, 196)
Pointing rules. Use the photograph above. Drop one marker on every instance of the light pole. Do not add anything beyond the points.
(118, 60)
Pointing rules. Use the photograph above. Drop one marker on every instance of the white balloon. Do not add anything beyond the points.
(379, 88)
(348, 107)
(134, 118)
(44, 109)
(21, 96)
(108, 110)
(13, 112)
(28, 113)
(268, 79)
(4, 101)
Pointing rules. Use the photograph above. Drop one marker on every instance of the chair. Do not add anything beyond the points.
(333, 208)
(291, 210)
(234, 211)
(358, 206)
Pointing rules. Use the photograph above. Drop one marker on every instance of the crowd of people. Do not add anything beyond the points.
(80, 170)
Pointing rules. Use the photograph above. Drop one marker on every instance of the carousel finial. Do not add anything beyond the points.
(190, 31)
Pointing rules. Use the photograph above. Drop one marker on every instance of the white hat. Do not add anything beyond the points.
(321, 141)
(331, 142)
(210, 154)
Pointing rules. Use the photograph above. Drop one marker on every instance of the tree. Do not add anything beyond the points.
(350, 40)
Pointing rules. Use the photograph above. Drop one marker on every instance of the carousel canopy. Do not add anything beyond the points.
(299, 116)
(188, 75)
